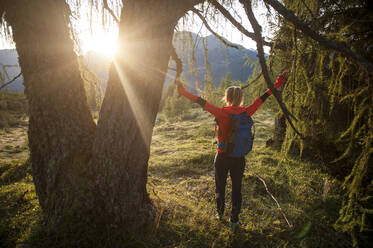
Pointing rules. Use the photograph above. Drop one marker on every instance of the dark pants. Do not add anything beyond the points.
(235, 166)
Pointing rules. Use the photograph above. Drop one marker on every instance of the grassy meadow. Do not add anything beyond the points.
(181, 183)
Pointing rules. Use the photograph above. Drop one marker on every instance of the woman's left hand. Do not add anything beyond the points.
(285, 74)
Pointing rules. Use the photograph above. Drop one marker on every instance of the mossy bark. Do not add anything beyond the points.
(332, 97)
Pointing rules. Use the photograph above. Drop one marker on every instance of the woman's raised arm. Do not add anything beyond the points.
(216, 111)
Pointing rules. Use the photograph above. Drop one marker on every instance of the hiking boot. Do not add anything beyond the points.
(233, 225)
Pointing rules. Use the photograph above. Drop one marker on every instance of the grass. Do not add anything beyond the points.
(19, 208)
(13, 109)
(181, 178)
(181, 183)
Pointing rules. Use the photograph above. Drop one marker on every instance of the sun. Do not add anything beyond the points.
(103, 42)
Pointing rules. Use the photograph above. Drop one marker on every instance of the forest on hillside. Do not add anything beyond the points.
(131, 165)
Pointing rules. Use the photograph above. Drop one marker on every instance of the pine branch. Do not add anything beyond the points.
(11, 81)
(235, 23)
(308, 9)
(259, 44)
(337, 46)
(224, 41)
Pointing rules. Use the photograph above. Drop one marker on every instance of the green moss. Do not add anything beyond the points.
(331, 95)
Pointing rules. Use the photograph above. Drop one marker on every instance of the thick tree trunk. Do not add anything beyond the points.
(129, 110)
(83, 174)
(61, 128)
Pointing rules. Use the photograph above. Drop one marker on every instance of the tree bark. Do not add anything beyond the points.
(83, 173)
(61, 128)
(129, 110)
(279, 132)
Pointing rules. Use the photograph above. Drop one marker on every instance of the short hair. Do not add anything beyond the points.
(233, 95)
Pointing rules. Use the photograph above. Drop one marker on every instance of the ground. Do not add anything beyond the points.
(181, 184)
(13, 144)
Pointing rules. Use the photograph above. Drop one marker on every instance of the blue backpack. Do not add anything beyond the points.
(240, 138)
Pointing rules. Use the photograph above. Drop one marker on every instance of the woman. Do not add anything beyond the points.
(224, 163)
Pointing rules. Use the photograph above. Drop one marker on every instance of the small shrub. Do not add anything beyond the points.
(206, 131)
(13, 107)
(189, 116)
(4, 117)
(176, 106)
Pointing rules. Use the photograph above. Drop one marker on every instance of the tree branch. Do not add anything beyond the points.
(259, 44)
(253, 81)
(11, 81)
(235, 23)
(224, 41)
(106, 6)
(337, 46)
(271, 195)
(308, 8)
(178, 62)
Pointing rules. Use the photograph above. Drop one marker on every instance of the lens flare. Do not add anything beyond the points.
(138, 109)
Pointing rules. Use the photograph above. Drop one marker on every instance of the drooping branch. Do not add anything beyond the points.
(294, 66)
(111, 12)
(11, 81)
(259, 44)
(235, 23)
(308, 9)
(5, 71)
(337, 46)
(178, 62)
(224, 41)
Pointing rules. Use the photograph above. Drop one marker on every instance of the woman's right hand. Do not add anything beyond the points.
(180, 87)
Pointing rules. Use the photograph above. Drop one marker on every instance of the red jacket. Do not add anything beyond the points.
(222, 114)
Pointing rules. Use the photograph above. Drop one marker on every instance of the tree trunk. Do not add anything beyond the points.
(61, 128)
(130, 106)
(84, 174)
(279, 131)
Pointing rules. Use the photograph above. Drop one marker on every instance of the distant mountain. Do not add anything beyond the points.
(222, 61)
(95, 61)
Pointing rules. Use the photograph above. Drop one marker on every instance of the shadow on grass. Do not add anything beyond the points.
(190, 165)
(19, 206)
(13, 172)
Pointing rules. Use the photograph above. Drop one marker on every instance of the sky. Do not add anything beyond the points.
(104, 40)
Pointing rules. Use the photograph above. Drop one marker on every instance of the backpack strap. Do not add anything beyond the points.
(220, 145)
